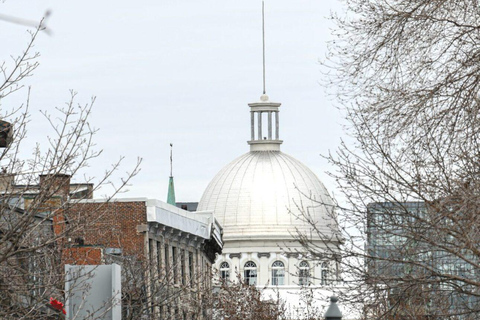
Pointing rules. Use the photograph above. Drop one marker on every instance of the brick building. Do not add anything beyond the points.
(166, 253)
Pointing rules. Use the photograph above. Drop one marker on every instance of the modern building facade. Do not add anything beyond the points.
(415, 268)
(263, 200)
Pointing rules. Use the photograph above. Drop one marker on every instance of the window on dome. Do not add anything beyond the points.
(250, 273)
(278, 273)
(303, 274)
(225, 271)
(324, 273)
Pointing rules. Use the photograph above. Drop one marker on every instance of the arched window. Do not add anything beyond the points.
(324, 273)
(225, 271)
(250, 273)
(278, 273)
(303, 274)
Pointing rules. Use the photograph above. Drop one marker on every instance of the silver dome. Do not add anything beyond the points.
(261, 195)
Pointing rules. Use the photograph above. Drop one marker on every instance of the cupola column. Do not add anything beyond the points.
(269, 125)
(277, 126)
(259, 125)
(252, 124)
(257, 142)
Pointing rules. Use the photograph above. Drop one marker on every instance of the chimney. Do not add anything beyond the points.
(6, 181)
(55, 184)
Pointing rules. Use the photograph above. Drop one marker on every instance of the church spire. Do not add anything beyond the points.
(264, 135)
(171, 186)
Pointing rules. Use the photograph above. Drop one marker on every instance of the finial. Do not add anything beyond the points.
(263, 41)
(171, 159)
(171, 186)
(333, 312)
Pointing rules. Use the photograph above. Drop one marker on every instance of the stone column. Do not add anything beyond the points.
(148, 269)
(252, 124)
(199, 277)
(277, 126)
(154, 261)
(269, 125)
(260, 125)
(161, 258)
(155, 275)
(263, 269)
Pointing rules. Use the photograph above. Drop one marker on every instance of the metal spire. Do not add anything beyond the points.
(171, 159)
(263, 40)
(171, 186)
(266, 110)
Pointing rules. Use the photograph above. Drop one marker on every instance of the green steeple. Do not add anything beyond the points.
(171, 192)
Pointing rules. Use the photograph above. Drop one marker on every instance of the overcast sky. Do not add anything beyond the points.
(180, 72)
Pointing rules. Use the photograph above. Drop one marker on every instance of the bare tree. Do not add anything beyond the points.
(156, 295)
(237, 300)
(406, 75)
(31, 274)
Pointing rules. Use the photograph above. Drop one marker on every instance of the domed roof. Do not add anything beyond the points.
(261, 194)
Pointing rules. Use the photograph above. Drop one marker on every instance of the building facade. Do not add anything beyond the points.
(28, 248)
(264, 200)
(166, 254)
(416, 269)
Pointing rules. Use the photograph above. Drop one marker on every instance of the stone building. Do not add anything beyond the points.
(263, 200)
(166, 253)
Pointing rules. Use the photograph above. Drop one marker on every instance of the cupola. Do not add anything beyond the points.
(265, 126)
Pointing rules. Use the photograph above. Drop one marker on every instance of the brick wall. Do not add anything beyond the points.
(107, 225)
(82, 255)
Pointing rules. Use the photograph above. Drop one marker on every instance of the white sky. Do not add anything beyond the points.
(181, 72)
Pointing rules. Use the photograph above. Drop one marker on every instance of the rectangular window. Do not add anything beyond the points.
(324, 277)
(150, 251)
(175, 266)
(278, 276)
(190, 266)
(167, 263)
(303, 277)
(225, 274)
(251, 277)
